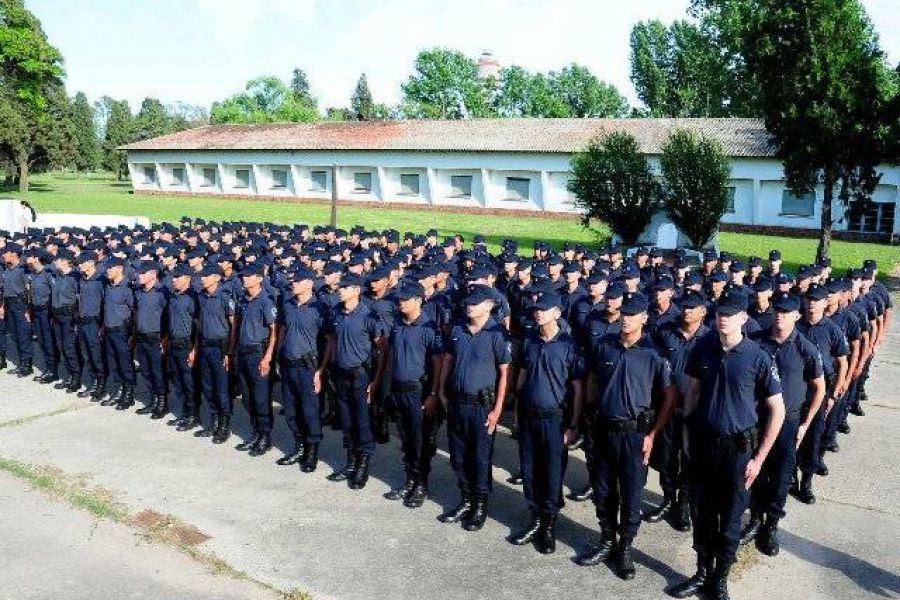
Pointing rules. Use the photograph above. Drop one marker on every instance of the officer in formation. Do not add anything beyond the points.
(725, 376)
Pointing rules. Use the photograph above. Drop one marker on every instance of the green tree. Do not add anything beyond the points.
(679, 71)
(820, 72)
(28, 63)
(265, 100)
(525, 94)
(613, 183)
(301, 90)
(585, 95)
(186, 116)
(88, 156)
(152, 120)
(445, 85)
(362, 107)
(120, 130)
(695, 174)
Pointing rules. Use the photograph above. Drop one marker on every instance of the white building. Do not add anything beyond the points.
(480, 165)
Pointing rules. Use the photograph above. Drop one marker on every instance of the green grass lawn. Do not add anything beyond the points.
(102, 194)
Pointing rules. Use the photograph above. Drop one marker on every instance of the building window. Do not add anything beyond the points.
(409, 184)
(729, 200)
(798, 206)
(460, 186)
(241, 178)
(209, 178)
(318, 181)
(362, 183)
(279, 179)
(867, 216)
(178, 176)
(518, 189)
(150, 175)
(569, 198)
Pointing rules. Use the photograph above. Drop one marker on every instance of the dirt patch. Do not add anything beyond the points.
(167, 528)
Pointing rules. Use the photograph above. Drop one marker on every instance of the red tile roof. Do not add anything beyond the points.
(739, 137)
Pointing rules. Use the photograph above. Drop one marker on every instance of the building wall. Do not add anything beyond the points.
(758, 183)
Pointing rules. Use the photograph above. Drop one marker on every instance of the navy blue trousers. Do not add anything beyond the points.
(256, 391)
(543, 458)
(19, 329)
(214, 379)
(668, 457)
(183, 380)
(471, 446)
(769, 492)
(43, 328)
(300, 402)
(91, 348)
(150, 358)
(67, 337)
(416, 431)
(619, 479)
(808, 455)
(719, 498)
(118, 355)
(350, 390)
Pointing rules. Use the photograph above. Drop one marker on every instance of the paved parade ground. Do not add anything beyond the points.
(97, 503)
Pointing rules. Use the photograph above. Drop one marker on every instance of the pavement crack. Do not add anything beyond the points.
(52, 413)
(862, 507)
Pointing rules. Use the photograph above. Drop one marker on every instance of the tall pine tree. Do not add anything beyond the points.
(85, 131)
(119, 131)
(362, 106)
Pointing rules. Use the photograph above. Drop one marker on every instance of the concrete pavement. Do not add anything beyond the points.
(300, 531)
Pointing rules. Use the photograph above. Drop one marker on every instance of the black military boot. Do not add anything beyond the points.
(115, 396)
(88, 392)
(74, 384)
(149, 407)
(263, 445)
(310, 459)
(546, 535)
(767, 541)
(822, 469)
(295, 456)
(189, 421)
(660, 512)
(223, 431)
(211, 430)
(478, 515)
(624, 560)
(360, 476)
(250, 443)
(458, 513)
(160, 409)
(25, 369)
(751, 529)
(696, 582)
(681, 512)
(62, 383)
(127, 400)
(49, 376)
(400, 493)
(805, 492)
(718, 587)
(857, 410)
(527, 535)
(600, 551)
(417, 495)
(583, 495)
(844, 427)
(344, 472)
(516, 478)
(3, 363)
(100, 391)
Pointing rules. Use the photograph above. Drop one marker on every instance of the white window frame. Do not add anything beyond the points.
(729, 200)
(205, 180)
(510, 197)
(238, 184)
(179, 180)
(410, 192)
(312, 181)
(149, 175)
(358, 188)
(277, 185)
(809, 196)
(462, 193)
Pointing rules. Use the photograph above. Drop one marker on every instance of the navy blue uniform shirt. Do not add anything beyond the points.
(41, 283)
(90, 295)
(215, 309)
(150, 306)
(64, 293)
(734, 385)
(476, 357)
(677, 349)
(549, 367)
(412, 345)
(828, 338)
(628, 378)
(257, 316)
(798, 361)
(182, 313)
(118, 304)
(302, 325)
(15, 281)
(354, 334)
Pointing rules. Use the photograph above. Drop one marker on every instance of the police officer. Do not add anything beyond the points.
(303, 358)
(626, 375)
(118, 319)
(63, 306)
(838, 312)
(472, 390)
(255, 322)
(803, 389)
(676, 341)
(217, 339)
(41, 284)
(731, 380)
(182, 347)
(552, 373)
(16, 299)
(416, 352)
(90, 316)
(150, 311)
(356, 332)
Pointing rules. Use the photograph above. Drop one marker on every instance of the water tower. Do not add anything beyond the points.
(488, 66)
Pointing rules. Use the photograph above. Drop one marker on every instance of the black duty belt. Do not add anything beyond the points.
(541, 413)
(15, 299)
(350, 373)
(88, 320)
(116, 329)
(251, 348)
(63, 311)
(402, 387)
(221, 343)
(152, 337)
(41, 308)
(308, 361)
(180, 343)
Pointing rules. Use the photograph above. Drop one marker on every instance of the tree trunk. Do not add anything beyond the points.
(827, 199)
(23, 174)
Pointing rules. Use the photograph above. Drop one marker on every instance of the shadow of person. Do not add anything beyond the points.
(863, 573)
